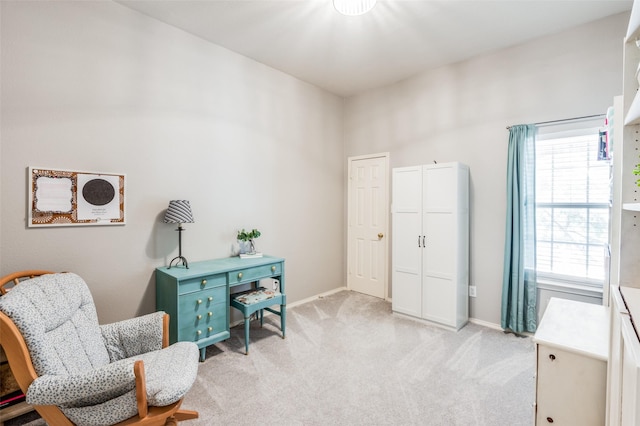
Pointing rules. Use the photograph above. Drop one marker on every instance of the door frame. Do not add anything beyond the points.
(385, 272)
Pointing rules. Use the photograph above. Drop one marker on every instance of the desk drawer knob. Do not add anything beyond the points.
(210, 329)
(239, 275)
(199, 317)
(204, 282)
(210, 298)
(273, 268)
(199, 332)
(210, 314)
(199, 302)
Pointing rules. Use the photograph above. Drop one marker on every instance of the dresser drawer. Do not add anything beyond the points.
(203, 314)
(202, 283)
(570, 389)
(200, 301)
(198, 327)
(255, 273)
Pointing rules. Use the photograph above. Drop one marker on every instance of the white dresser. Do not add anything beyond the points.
(572, 344)
(624, 358)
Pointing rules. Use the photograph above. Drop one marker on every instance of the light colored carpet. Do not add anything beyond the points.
(348, 360)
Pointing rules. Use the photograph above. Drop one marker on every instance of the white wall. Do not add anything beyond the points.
(459, 113)
(95, 86)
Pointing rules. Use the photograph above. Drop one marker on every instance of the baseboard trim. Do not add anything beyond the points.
(316, 297)
(486, 324)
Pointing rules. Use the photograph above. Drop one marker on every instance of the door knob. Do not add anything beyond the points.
(380, 235)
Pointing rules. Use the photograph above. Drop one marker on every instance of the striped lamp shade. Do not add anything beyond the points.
(179, 211)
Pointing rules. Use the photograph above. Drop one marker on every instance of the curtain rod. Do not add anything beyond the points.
(566, 119)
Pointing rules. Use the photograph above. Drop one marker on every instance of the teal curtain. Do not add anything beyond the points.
(519, 279)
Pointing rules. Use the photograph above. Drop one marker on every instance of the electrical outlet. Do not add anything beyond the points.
(472, 291)
(276, 284)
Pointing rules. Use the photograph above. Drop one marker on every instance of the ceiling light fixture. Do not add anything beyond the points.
(353, 7)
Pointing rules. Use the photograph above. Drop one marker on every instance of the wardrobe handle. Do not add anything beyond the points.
(424, 244)
(418, 241)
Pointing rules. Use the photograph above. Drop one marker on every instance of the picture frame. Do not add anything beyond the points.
(59, 197)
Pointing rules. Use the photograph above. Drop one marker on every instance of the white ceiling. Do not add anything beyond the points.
(397, 39)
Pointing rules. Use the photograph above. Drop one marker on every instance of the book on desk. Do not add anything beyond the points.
(250, 255)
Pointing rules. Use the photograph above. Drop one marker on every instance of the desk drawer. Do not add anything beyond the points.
(202, 283)
(202, 314)
(255, 273)
(199, 302)
(194, 330)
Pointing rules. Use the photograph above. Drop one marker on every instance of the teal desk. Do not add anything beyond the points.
(197, 298)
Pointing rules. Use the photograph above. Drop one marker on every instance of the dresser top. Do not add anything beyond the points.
(631, 298)
(217, 266)
(575, 327)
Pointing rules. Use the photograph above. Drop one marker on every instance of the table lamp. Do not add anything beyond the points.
(179, 211)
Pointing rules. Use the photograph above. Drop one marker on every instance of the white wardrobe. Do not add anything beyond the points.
(430, 242)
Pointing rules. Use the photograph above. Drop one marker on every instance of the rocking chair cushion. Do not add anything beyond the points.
(57, 318)
(90, 388)
(108, 413)
(169, 373)
(133, 336)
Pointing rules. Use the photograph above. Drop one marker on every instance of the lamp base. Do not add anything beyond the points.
(179, 259)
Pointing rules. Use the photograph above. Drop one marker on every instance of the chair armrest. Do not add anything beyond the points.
(134, 336)
(91, 388)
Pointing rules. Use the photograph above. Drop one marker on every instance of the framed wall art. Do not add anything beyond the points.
(68, 197)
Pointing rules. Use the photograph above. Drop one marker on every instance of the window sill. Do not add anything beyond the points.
(568, 287)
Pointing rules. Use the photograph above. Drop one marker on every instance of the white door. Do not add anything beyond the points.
(367, 225)
(406, 248)
(438, 294)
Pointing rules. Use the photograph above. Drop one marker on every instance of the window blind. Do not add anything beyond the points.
(572, 208)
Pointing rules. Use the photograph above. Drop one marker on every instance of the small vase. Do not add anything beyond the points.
(245, 247)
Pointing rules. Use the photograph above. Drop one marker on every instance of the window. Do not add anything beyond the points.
(572, 207)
